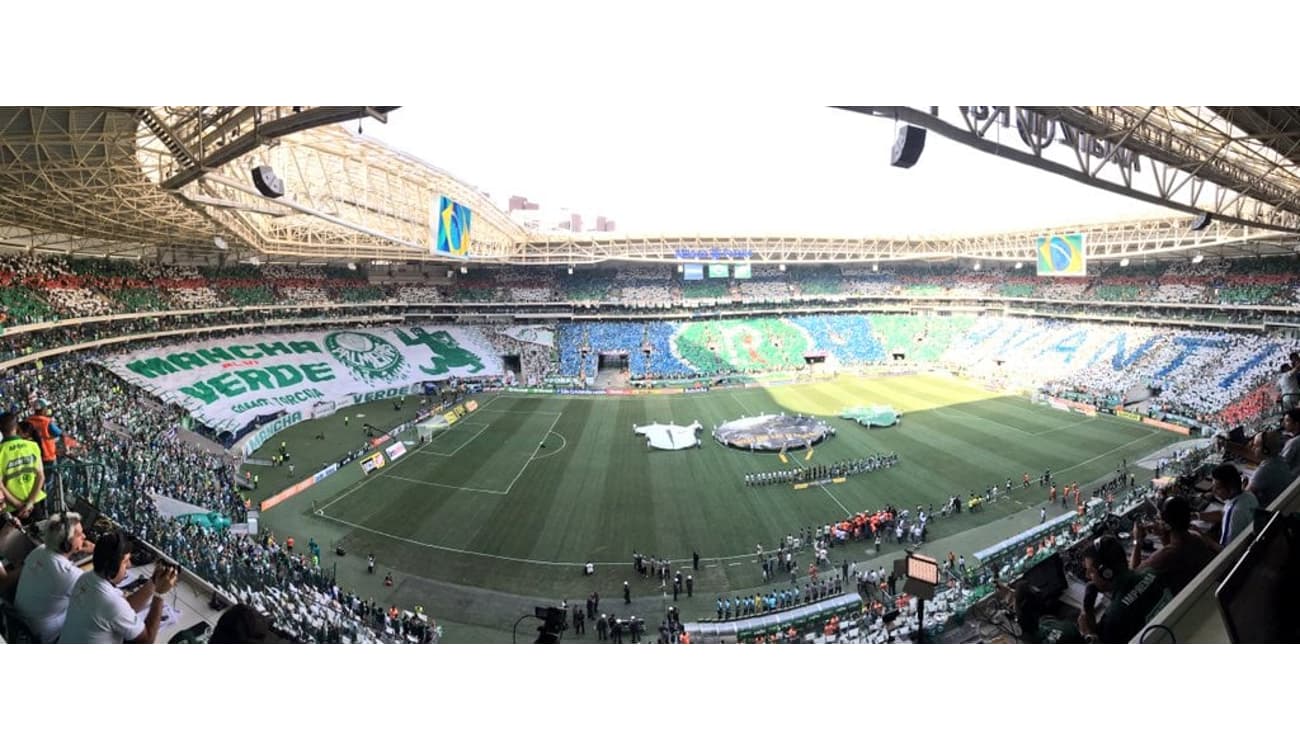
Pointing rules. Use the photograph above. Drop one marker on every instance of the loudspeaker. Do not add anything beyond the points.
(267, 183)
(908, 147)
(1201, 222)
(339, 551)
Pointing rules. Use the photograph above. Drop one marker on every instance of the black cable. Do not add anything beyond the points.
(514, 630)
(1142, 639)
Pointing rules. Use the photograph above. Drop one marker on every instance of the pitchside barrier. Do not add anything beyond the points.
(1187, 426)
(386, 456)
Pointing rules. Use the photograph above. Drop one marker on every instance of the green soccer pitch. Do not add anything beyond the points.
(516, 496)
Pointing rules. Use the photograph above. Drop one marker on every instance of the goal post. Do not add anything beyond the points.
(428, 428)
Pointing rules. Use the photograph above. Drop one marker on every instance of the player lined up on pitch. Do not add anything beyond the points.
(874, 462)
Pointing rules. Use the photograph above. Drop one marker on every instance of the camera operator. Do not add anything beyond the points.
(1183, 552)
(100, 613)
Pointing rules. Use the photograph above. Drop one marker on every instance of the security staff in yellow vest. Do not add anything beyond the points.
(21, 474)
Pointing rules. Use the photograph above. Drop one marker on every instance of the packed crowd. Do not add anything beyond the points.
(136, 451)
(54, 287)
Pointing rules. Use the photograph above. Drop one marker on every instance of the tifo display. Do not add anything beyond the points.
(773, 432)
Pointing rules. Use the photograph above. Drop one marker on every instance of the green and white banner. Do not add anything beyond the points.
(227, 383)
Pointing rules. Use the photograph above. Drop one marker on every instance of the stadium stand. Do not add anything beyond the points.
(1219, 377)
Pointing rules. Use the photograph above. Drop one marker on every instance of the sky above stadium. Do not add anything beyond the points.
(760, 170)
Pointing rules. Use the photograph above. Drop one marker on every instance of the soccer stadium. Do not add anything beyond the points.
(268, 379)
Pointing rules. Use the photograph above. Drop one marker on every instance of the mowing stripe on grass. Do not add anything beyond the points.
(610, 495)
(481, 430)
(321, 511)
(427, 483)
(534, 456)
(1112, 450)
(525, 560)
(822, 487)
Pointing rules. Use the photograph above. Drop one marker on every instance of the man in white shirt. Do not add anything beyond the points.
(48, 576)
(1288, 384)
(1272, 476)
(98, 611)
(1239, 506)
(1291, 449)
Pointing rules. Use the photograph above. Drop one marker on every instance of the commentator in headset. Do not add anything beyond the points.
(45, 587)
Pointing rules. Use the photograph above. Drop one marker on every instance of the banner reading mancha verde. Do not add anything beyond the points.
(227, 383)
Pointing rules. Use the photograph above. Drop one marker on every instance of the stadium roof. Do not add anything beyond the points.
(175, 181)
(1235, 164)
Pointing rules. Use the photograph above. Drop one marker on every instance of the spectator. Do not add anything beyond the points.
(1134, 596)
(45, 586)
(98, 611)
(1239, 506)
(1288, 384)
(1290, 452)
(1273, 475)
(1183, 552)
(242, 624)
(47, 434)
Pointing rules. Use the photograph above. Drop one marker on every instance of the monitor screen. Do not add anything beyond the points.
(1257, 598)
(693, 271)
(1048, 577)
(925, 569)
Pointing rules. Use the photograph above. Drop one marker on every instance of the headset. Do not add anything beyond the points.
(62, 523)
(1108, 549)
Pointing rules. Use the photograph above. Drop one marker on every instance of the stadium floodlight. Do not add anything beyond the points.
(1019, 265)
(680, 269)
(1198, 258)
(1123, 262)
(450, 273)
(463, 269)
(220, 243)
(780, 268)
(977, 265)
(875, 267)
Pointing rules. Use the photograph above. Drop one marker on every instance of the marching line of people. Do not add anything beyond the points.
(847, 468)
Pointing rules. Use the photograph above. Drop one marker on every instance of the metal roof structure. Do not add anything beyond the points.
(172, 182)
(1235, 164)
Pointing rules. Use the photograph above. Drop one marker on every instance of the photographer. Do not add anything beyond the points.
(99, 613)
(1183, 552)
